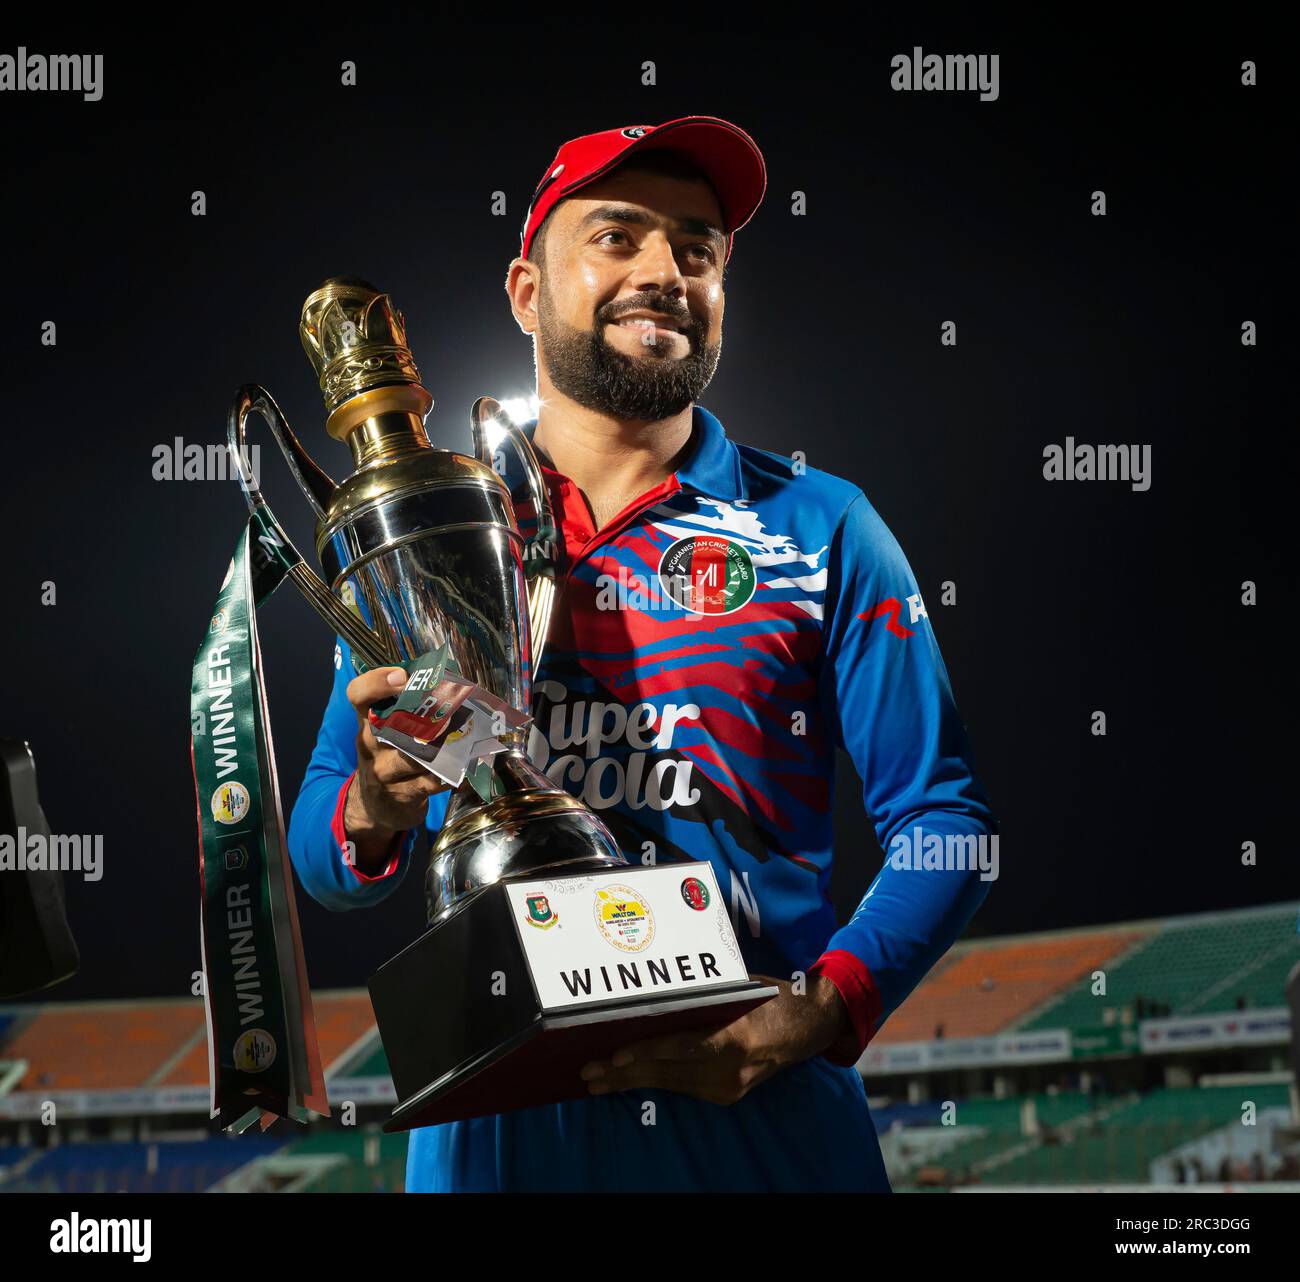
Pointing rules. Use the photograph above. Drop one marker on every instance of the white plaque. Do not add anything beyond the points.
(625, 934)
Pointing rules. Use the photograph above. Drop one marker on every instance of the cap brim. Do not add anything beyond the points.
(727, 155)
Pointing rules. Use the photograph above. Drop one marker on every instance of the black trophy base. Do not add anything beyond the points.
(465, 1035)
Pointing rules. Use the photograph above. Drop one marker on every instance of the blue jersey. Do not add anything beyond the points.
(711, 647)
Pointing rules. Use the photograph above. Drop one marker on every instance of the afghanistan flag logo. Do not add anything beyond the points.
(695, 893)
(708, 574)
(540, 912)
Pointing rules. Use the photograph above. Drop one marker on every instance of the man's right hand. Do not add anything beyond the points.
(390, 792)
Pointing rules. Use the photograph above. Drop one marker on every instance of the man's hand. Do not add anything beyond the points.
(390, 792)
(723, 1067)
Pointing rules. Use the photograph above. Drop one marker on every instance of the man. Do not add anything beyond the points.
(728, 618)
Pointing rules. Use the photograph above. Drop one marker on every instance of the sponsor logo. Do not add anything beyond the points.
(540, 912)
(695, 893)
(236, 858)
(624, 918)
(708, 574)
(230, 802)
(889, 610)
(634, 131)
(254, 1051)
(220, 621)
(568, 737)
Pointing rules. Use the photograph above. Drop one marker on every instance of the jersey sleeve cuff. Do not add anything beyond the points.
(861, 1000)
(341, 839)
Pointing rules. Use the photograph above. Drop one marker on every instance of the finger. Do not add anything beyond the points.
(666, 1075)
(374, 687)
(661, 1074)
(389, 764)
(674, 1046)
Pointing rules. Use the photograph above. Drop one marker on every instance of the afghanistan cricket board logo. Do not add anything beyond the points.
(624, 918)
(708, 574)
(540, 912)
(695, 893)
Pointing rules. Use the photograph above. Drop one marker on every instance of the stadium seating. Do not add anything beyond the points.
(1086, 1139)
(986, 988)
(161, 1167)
(1195, 967)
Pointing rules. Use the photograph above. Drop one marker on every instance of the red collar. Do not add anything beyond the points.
(573, 516)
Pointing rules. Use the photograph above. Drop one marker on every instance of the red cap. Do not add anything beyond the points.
(725, 153)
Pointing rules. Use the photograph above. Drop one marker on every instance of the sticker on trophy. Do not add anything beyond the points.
(695, 893)
(230, 803)
(420, 674)
(446, 723)
(624, 918)
(254, 1051)
(482, 780)
(540, 913)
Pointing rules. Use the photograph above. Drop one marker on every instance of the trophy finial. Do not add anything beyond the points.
(355, 338)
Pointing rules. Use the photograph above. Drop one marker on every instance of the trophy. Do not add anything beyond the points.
(544, 946)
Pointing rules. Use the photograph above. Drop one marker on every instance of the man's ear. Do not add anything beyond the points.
(523, 284)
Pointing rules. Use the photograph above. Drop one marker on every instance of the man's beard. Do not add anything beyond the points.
(586, 369)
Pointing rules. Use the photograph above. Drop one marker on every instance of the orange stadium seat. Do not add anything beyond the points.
(105, 1045)
(985, 988)
(108, 1046)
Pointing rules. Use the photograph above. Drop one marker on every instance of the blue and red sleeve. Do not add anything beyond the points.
(885, 692)
(316, 834)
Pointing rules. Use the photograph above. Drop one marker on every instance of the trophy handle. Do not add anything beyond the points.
(368, 645)
(490, 425)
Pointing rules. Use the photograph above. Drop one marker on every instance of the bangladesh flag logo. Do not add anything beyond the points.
(708, 574)
(540, 912)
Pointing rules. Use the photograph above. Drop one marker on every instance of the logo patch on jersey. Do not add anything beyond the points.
(889, 610)
(624, 918)
(708, 574)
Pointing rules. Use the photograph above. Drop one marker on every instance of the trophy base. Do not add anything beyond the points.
(541, 1065)
(499, 1005)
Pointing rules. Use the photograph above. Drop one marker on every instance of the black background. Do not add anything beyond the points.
(922, 208)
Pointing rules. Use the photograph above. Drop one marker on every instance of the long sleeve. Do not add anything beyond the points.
(886, 695)
(316, 824)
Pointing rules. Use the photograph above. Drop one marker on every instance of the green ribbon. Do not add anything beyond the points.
(263, 1059)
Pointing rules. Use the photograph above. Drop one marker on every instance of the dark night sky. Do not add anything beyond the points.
(921, 208)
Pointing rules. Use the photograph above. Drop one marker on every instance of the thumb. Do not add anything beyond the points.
(375, 686)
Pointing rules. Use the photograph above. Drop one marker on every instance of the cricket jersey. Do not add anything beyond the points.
(710, 649)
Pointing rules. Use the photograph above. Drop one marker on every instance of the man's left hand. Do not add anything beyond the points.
(725, 1066)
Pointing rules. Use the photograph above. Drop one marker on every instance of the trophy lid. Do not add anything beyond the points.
(355, 338)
